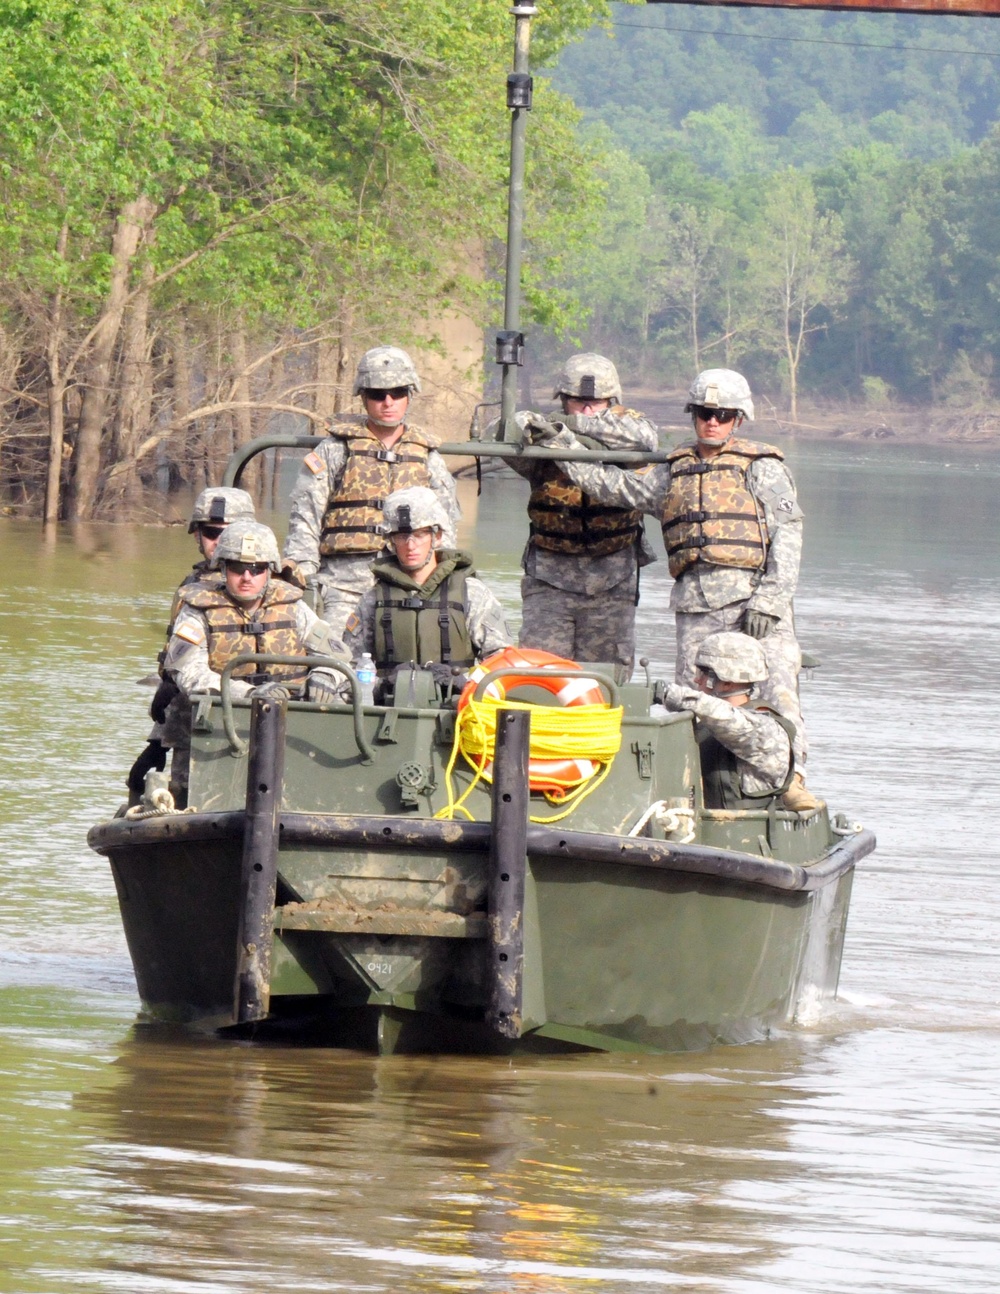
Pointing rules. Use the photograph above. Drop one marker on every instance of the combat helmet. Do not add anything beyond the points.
(588, 377)
(219, 505)
(721, 388)
(248, 541)
(733, 657)
(384, 367)
(415, 508)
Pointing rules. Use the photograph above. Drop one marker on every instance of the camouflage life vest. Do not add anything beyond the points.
(709, 514)
(425, 622)
(271, 629)
(202, 575)
(720, 778)
(564, 520)
(351, 523)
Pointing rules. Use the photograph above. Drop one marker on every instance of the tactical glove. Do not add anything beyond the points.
(272, 691)
(154, 756)
(162, 697)
(291, 572)
(324, 686)
(758, 624)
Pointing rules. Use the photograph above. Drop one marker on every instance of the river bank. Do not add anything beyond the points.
(914, 426)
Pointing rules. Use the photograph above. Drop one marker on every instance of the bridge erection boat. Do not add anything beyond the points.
(349, 866)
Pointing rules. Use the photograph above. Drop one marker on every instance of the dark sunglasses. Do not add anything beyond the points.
(703, 412)
(380, 393)
(247, 568)
(211, 532)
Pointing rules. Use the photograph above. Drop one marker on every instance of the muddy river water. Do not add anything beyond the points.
(859, 1153)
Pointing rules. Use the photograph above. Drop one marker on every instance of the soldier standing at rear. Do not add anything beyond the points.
(732, 528)
(335, 526)
(583, 557)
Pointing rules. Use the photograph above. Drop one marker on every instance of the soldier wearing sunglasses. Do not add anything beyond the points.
(732, 528)
(335, 525)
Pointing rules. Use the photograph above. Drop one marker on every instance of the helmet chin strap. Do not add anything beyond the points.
(391, 423)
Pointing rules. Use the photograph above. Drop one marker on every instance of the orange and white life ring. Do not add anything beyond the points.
(541, 670)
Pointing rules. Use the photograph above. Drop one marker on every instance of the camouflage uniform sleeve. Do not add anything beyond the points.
(644, 489)
(359, 635)
(487, 625)
(186, 661)
(773, 488)
(316, 636)
(755, 737)
(443, 485)
(317, 479)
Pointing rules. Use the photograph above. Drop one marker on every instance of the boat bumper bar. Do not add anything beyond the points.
(361, 831)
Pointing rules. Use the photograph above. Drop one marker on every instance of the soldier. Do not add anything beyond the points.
(582, 561)
(732, 528)
(746, 749)
(334, 530)
(427, 606)
(245, 611)
(213, 510)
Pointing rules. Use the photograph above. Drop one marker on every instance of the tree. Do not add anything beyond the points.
(798, 269)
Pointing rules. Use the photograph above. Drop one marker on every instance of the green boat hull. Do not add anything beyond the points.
(381, 916)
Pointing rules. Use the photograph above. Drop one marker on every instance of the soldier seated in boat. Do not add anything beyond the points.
(246, 610)
(427, 607)
(746, 748)
(214, 509)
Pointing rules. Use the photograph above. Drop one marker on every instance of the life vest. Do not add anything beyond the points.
(720, 779)
(271, 629)
(425, 623)
(710, 514)
(565, 520)
(353, 518)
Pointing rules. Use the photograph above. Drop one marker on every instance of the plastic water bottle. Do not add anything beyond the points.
(366, 677)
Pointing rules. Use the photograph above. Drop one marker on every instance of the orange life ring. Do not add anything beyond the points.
(555, 776)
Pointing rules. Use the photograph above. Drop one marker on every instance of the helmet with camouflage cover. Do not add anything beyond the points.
(384, 367)
(219, 505)
(588, 377)
(721, 388)
(733, 657)
(415, 508)
(248, 541)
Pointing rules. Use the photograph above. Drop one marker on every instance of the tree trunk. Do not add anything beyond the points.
(327, 370)
(192, 465)
(136, 398)
(55, 390)
(243, 417)
(129, 229)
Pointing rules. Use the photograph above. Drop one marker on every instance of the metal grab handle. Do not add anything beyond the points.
(526, 671)
(239, 747)
(467, 449)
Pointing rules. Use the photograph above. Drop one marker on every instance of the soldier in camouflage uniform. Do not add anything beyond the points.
(746, 749)
(582, 561)
(334, 530)
(732, 528)
(427, 606)
(245, 611)
(213, 511)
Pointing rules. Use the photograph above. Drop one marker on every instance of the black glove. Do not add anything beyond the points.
(273, 690)
(758, 624)
(162, 697)
(154, 756)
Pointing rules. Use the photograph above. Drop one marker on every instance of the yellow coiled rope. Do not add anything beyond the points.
(586, 732)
